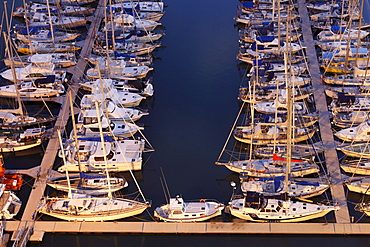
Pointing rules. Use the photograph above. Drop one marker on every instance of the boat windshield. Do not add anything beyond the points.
(101, 158)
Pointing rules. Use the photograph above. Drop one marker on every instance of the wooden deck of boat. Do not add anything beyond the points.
(327, 137)
(342, 225)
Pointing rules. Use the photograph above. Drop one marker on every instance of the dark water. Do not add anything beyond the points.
(196, 81)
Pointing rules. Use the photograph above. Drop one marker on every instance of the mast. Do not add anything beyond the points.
(50, 21)
(103, 148)
(290, 110)
(350, 8)
(358, 33)
(65, 163)
(74, 130)
(107, 61)
(10, 55)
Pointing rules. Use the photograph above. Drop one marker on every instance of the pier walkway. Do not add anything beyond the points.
(60, 227)
(327, 137)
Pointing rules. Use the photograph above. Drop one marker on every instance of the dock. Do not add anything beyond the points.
(60, 227)
(35, 230)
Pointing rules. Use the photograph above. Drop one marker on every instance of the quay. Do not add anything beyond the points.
(60, 227)
(342, 224)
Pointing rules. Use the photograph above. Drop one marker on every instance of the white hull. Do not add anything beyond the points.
(301, 173)
(278, 211)
(98, 212)
(356, 169)
(32, 92)
(315, 215)
(360, 186)
(91, 186)
(160, 213)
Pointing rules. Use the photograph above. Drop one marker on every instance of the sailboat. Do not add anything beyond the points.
(277, 187)
(113, 111)
(271, 167)
(298, 150)
(60, 60)
(265, 95)
(142, 87)
(359, 185)
(336, 33)
(41, 47)
(117, 69)
(44, 35)
(120, 98)
(32, 7)
(18, 140)
(359, 167)
(116, 127)
(90, 184)
(266, 210)
(129, 22)
(355, 134)
(261, 134)
(142, 6)
(39, 19)
(91, 208)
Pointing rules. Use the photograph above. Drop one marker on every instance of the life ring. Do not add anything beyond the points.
(202, 200)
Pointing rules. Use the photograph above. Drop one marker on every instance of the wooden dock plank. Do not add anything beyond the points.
(331, 157)
(42, 227)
